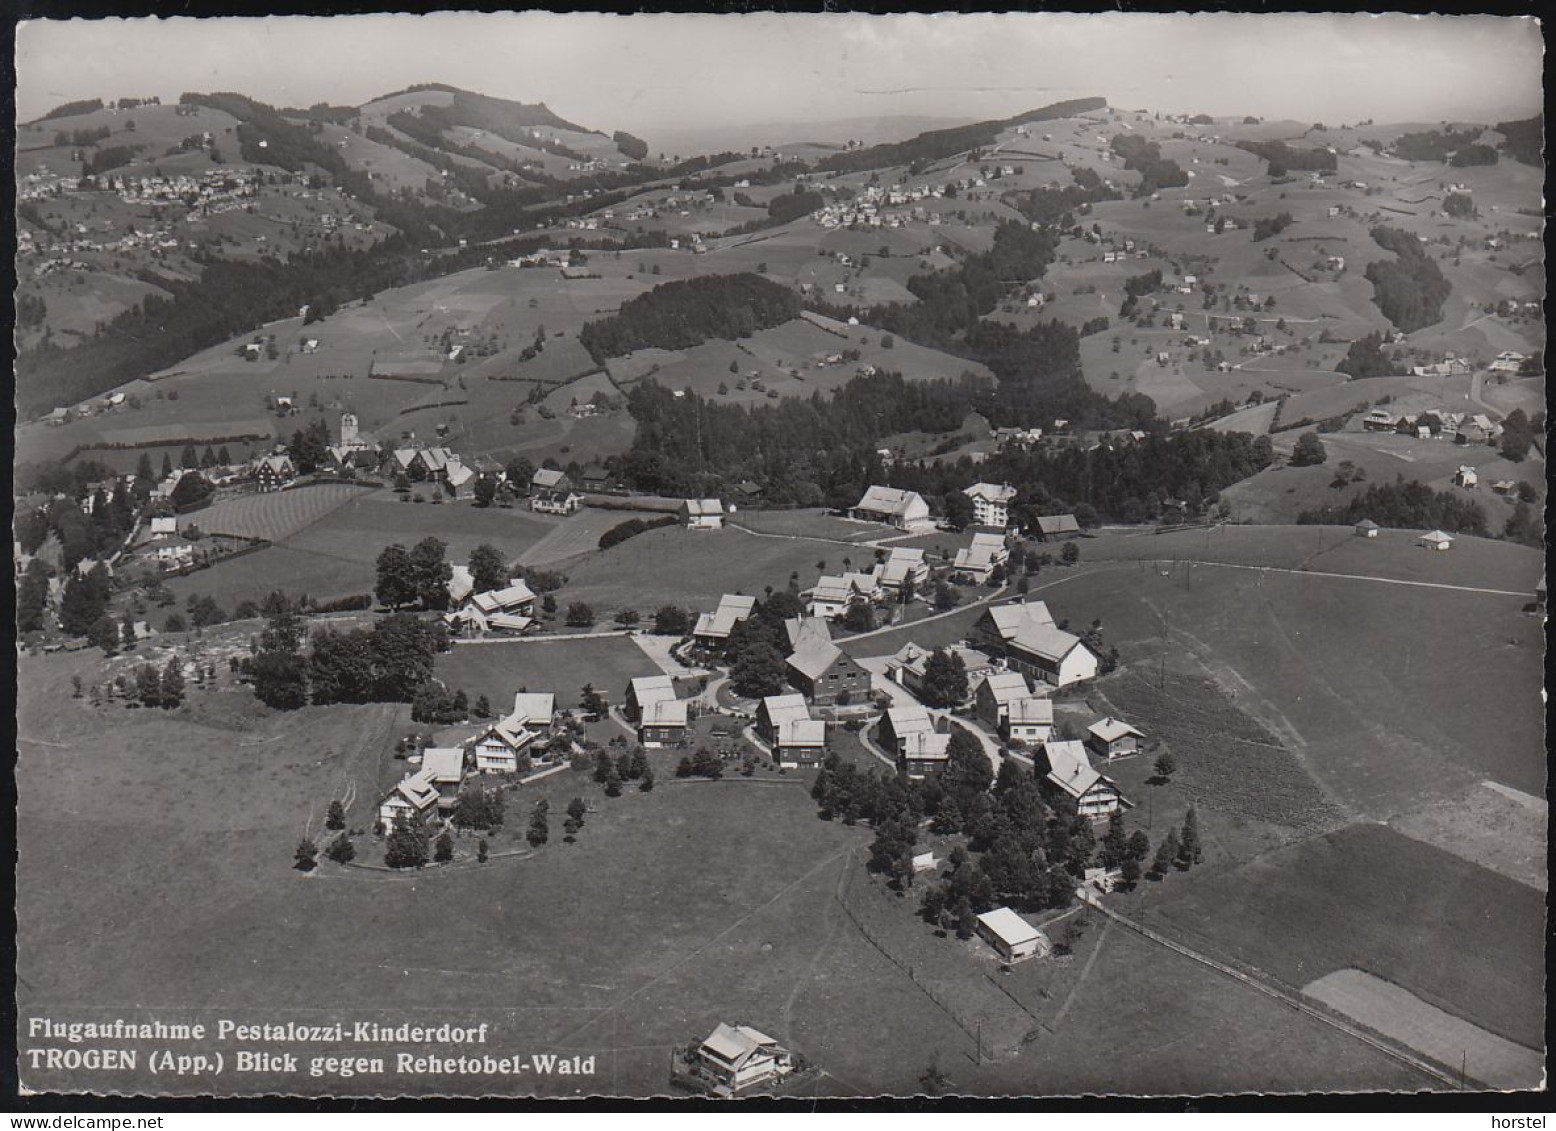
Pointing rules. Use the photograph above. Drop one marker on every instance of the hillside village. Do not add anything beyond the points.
(955, 586)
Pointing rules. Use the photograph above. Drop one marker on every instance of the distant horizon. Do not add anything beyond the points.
(690, 74)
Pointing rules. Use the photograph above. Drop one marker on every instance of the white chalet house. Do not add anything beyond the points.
(905, 510)
(1067, 768)
(833, 595)
(991, 503)
(498, 747)
(734, 1058)
(555, 502)
(414, 800)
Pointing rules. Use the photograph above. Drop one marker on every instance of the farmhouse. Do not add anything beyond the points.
(785, 724)
(993, 697)
(499, 746)
(1436, 540)
(498, 610)
(834, 595)
(924, 754)
(555, 502)
(444, 769)
(651, 703)
(1025, 636)
(735, 1058)
(459, 480)
(991, 503)
(274, 472)
(1029, 721)
(550, 479)
(414, 801)
(902, 721)
(713, 628)
(903, 566)
(1066, 768)
(702, 514)
(979, 559)
(822, 671)
(164, 527)
(1056, 527)
(1366, 528)
(1111, 738)
(1012, 936)
(905, 510)
(1466, 476)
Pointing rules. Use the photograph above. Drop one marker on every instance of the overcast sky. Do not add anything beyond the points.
(642, 72)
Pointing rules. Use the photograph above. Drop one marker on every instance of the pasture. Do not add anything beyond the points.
(691, 568)
(556, 664)
(1455, 935)
(812, 523)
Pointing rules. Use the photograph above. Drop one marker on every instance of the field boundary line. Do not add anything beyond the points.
(1357, 577)
(1410, 1058)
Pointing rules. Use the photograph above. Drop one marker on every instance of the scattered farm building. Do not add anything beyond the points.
(979, 559)
(924, 754)
(702, 514)
(1436, 540)
(1112, 738)
(555, 502)
(274, 472)
(550, 479)
(1012, 937)
(903, 566)
(993, 697)
(1029, 721)
(1056, 527)
(660, 716)
(905, 510)
(1025, 636)
(735, 1058)
(785, 724)
(713, 629)
(1366, 528)
(1066, 768)
(821, 671)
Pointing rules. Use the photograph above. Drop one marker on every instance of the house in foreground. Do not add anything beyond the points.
(414, 801)
(504, 746)
(1012, 936)
(735, 1058)
(823, 672)
(1066, 768)
(924, 754)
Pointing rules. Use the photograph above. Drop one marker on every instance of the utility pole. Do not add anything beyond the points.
(980, 1042)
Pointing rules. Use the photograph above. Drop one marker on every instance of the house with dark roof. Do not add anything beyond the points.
(1065, 767)
(1113, 738)
(825, 674)
(1057, 527)
(796, 739)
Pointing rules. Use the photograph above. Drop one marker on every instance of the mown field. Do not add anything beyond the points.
(1454, 934)
(278, 514)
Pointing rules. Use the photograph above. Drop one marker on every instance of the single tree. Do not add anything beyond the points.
(579, 615)
(592, 703)
(1309, 451)
(335, 816)
(1189, 848)
(341, 850)
(1165, 764)
(443, 848)
(396, 584)
(945, 679)
(406, 846)
(488, 568)
(1166, 853)
(173, 684)
(646, 779)
(481, 851)
(306, 857)
(576, 809)
(539, 827)
(1070, 554)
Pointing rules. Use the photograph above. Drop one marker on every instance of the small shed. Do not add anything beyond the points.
(1366, 528)
(925, 862)
(1437, 540)
(1012, 936)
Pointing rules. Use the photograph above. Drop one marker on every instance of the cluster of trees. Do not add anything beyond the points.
(1308, 451)
(1137, 286)
(1408, 505)
(687, 312)
(1410, 290)
(434, 703)
(632, 528)
(1524, 140)
(418, 576)
(613, 772)
(1460, 205)
(1456, 147)
(72, 109)
(791, 206)
(1051, 205)
(1145, 157)
(1266, 227)
(1365, 358)
(1519, 432)
(1282, 157)
(384, 664)
(634, 148)
(163, 688)
(480, 807)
